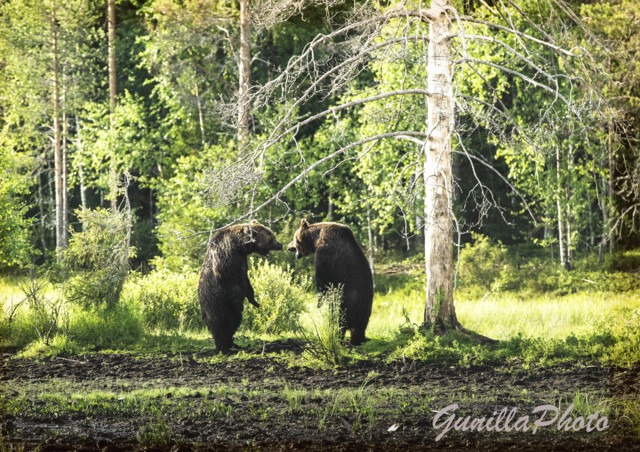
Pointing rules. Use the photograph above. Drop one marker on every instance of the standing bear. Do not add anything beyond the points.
(339, 260)
(224, 283)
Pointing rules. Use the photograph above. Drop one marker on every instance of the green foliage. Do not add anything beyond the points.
(104, 329)
(488, 267)
(482, 262)
(282, 297)
(15, 231)
(183, 211)
(328, 329)
(165, 300)
(36, 319)
(625, 328)
(98, 258)
(459, 349)
(628, 261)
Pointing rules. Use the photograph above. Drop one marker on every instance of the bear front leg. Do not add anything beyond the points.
(251, 296)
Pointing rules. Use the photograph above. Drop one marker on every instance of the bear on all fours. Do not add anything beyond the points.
(339, 260)
(224, 283)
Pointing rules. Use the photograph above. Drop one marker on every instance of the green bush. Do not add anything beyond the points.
(482, 262)
(41, 321)
(628, 261)
(282, 298)
(97, 259)
(166, 300)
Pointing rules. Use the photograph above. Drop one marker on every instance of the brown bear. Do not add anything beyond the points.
(224, 283)
(339, 260)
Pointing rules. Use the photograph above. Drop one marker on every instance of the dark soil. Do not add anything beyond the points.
(404, 395)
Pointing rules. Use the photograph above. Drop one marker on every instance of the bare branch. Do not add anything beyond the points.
(271, 141)
(317, 163)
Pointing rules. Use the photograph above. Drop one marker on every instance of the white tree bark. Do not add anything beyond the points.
(439, 306)
(57, 144)
(83, 188)
(561, 229)
(111, 13)
(244, 72)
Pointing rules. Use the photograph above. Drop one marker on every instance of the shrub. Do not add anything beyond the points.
(628, 261)
(282, 298)
(329, 347)
(166, 300)
(482, 262)
(98, 257)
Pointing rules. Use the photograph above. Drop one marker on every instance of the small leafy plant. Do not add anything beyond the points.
(282, 297)
(329, 332)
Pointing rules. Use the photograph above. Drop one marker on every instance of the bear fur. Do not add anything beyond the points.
(338, 260)
(224, 283)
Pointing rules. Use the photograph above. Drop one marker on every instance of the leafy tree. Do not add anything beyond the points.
(619, 184)
(15, 246)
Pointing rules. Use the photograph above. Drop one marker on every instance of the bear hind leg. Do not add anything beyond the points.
(357, 336)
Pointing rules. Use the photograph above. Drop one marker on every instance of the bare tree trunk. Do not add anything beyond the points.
(244, 75)
(612, 169)
(200, 117)
(419, 219)
(569, 263)
(83, 189)
(57, 145)
(40, 200)
(560, 211)
(569, 217)
(370, 250)
(111, 11)
(65, 191)
(592, 233)
(437, 173)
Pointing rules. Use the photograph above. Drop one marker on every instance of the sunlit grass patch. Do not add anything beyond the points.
(502, 316)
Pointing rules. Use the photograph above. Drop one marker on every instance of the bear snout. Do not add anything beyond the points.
(277, 246)
(291, 247)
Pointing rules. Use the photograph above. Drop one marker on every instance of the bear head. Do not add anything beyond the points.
(302, 243)
(259, 239)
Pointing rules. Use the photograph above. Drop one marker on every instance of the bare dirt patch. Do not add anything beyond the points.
(190, 402)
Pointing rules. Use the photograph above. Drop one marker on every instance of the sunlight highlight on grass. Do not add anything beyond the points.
(501, 316)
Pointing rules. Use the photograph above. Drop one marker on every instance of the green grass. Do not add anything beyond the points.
(503, 316)
(586, 327)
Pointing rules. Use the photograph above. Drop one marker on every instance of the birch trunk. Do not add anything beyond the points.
(244, 76)
(200, 117)
(57, 145)
(83, 188)
(111, 12)
(40, 200)
(569, 217)
(65, 190)
(610, 206)
(561, 232)
(439, 307)
(370, 234)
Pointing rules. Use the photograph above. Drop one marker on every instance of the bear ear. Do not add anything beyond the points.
(249, 233)
(304, 224)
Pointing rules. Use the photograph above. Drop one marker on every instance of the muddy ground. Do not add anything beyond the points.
(191, 402)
